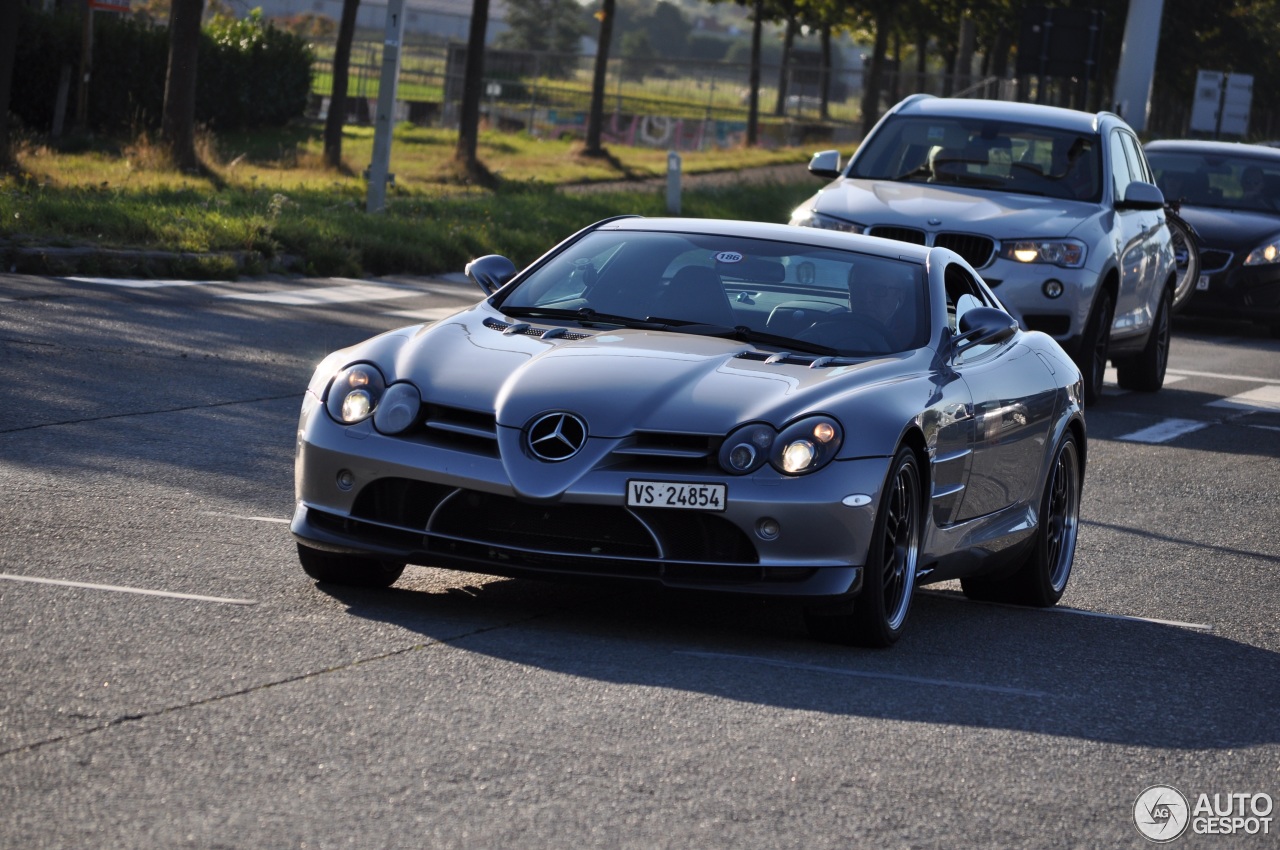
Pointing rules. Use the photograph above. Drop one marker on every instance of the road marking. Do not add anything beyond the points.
(1061, 609)
(242, 516)
(1265, 398)
(1225, 377)
(863, 674)
(1111, 380)
(140, 284)
(1163, 432)
(118, 589)
(328, 295)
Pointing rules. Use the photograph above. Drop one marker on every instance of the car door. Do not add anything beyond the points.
(1013, 401)
(1138, 233)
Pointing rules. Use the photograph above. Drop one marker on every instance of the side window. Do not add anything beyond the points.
(1121, 175)
(1138, 166)
(963, 294)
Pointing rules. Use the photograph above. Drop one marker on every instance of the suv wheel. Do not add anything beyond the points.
(1145, 370)
(1095, 345)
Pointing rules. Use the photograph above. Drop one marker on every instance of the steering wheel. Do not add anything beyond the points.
(841, 329)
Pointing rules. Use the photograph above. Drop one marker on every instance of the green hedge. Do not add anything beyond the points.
(249, 75)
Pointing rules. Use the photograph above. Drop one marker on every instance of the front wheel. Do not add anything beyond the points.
(879, 612)
(1042, 578)
(1095, 346)
(1145, 370)
(351, 570)
(1186, 252)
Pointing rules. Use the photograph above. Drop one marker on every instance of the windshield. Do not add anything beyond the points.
(1211, 180)
(983, 154)
(770, 293)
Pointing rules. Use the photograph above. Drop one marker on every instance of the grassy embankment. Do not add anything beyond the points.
(265, 204)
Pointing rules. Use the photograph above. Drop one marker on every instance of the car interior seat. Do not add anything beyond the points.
(695, 294)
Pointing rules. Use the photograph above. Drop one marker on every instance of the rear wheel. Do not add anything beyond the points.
(1042, 578)
(1095, 346)
(1187, 256)
(1145, 370)
(879, 613)
(353, 571)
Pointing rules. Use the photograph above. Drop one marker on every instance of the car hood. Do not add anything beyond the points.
(1220, 228)
(618, 381)
(1001, 215)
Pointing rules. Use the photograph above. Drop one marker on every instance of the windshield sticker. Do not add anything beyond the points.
(728, 257)
(937, 134)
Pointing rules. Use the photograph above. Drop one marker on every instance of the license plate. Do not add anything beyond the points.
(1202, 282)
(670, 494)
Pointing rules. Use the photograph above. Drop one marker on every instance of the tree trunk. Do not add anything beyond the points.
(177, 123)
(872, 81)
(784, 71)
(824, 110)
(753, 101)
(8, 50)
(337, 117)
(472, 89)
(595, 118)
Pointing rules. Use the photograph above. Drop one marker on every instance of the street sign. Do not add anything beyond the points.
(1222, 103)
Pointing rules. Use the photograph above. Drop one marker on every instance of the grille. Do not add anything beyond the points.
(902, 234)
(977, 251)
(525, 329)
(1214, 261)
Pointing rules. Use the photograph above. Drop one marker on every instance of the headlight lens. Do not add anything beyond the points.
(355, 393)
(398, 409)
(1067, 253)
(813, 218)
(1264, 254)
(802, 447)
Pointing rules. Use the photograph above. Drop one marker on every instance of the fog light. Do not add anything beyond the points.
(1053, 289)
(768, 529)
(346, 479)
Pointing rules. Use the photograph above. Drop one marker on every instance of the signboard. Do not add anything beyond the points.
(1222, 103)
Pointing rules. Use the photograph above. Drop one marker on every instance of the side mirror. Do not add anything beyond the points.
(491, 272)
(1141, 196)
(985, 326)
(825, 164)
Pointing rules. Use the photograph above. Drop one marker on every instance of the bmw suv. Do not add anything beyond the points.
(1057, 210)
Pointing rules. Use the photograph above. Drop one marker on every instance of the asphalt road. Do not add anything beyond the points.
(171, 678)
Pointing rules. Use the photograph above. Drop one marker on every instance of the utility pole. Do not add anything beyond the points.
(384, 121)
(1138, 62)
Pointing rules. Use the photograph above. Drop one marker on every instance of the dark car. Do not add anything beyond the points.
(719, 405)
(1230, 193)
(1055, 208)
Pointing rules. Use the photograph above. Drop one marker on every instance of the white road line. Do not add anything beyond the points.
(1164, 431)
(863, 674)
(1225, 377)
(1111, 386)
(327, 295)
(140, 284)
(1265, 398)
(1061, 609)
(242, 516)
(118, 589)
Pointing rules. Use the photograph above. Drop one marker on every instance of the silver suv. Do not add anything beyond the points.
(1057, 209)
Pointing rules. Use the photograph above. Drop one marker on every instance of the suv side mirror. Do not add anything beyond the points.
(491, 272)
(825, 164)
(1141, 196)
(984, 326)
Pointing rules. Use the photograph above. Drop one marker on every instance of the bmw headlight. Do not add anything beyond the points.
(807, 445)
(1264, 254)
(802, 447)
(355, 393)
(1068, 253)
(813, 218)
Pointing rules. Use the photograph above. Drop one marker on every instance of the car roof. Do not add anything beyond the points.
(815, 236)
(1056, 117)
(1214, 148)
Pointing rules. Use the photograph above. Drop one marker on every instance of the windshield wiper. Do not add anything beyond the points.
(746, 334)
(583, 316)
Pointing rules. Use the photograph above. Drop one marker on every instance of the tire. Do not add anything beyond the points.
(879, 613)
(349, 570)
(1042, 578)
(1095, 346)
(1145, 370)
(1187, 252)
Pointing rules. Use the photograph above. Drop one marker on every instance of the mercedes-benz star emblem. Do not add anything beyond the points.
(557, 436)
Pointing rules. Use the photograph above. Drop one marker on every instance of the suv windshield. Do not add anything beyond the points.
(984, 154)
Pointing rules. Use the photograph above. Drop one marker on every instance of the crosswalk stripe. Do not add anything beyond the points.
(128, 283)
(326, 295)
(1164, 431)
(1264, 398)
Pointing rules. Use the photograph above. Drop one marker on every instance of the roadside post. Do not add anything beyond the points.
(673, 183)
(385, 119)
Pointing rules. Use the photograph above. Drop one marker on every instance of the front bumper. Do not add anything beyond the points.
(363, 493)
(1238, 293)
(1021, 288)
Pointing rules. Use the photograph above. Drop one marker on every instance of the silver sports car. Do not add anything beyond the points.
(720, 405)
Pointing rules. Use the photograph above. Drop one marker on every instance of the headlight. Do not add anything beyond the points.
(355, 393)
(802, 447)
(1067, 253)
(813, 218)
(399, 408)
(807, 446)
(1264, 254)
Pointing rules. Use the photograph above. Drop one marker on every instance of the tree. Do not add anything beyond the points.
(472, 91)
(595, 117)
(554, 27)
(178, 118)
(337, 116)
(8, 49)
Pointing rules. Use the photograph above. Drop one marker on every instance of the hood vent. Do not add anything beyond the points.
(526, 329)
(813, 361)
